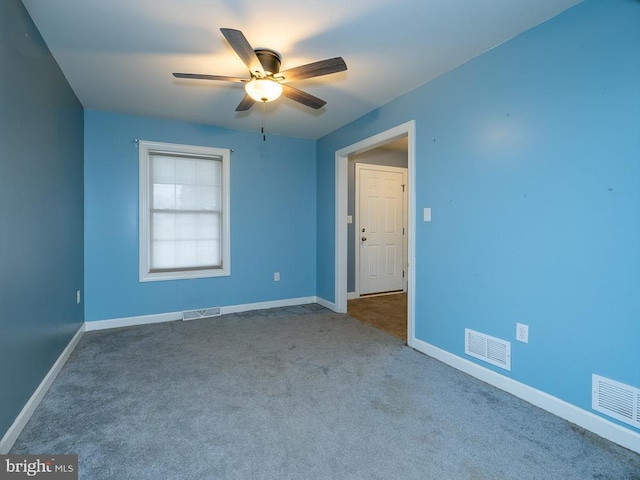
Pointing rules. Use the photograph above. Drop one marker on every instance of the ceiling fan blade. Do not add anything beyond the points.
(197, 76)
(315, 69)
(302, 97)
(245, 104)
(241, 45)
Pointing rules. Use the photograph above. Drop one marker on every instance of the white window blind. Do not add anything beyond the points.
(186, 212)
(183, 204)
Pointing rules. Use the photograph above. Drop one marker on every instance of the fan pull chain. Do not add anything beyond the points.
(264, 107)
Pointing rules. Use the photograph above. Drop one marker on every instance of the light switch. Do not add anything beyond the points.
(427, 214)
(349, 218)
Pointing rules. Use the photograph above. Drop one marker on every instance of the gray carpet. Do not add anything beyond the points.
(296, 393)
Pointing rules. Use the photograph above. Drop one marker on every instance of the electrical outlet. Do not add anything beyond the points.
(522, 332)
(276, 276)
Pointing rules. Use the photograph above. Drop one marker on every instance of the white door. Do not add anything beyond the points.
(380, 214)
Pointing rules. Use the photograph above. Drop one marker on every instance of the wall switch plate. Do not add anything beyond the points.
(427, 214)
(349, 219)
(522, 332)
(77, 296)
(276, 276)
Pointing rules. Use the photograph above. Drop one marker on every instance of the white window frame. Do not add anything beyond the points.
(146, 150)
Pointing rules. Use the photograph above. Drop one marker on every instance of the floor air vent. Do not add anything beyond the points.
(490, 349)
(616, 400)
(204, 313)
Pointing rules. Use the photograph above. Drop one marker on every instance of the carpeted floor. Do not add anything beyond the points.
(296, 393)
(385, 312)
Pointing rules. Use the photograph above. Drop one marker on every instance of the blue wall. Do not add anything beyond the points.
(529, 157)
(41, 185)
(273, 224)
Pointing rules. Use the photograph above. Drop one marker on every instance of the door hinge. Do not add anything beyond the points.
(403, 274)
(402, 187)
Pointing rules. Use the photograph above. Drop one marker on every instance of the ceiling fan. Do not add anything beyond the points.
(267, 82)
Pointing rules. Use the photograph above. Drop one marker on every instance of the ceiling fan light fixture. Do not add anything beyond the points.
(263, 89)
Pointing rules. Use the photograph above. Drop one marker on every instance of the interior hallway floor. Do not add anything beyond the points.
(384, 312)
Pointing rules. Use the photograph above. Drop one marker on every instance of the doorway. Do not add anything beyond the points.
(345, 221)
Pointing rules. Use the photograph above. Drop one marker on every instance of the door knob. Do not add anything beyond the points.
(364, 239)
(363, 230)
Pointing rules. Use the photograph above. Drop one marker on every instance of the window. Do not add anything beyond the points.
(184, 211)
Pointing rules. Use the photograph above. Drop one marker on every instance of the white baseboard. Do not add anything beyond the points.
(23, 417)
(131, 321)
(325, 303)
(289, 302)
(352, 295)
(172, 316)
(587, 420)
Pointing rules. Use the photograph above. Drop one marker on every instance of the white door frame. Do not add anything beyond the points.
(356, 218)
(341, 185)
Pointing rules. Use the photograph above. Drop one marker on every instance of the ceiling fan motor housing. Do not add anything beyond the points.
(270, 60)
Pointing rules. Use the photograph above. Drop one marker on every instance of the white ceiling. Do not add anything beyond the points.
(118, 55)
